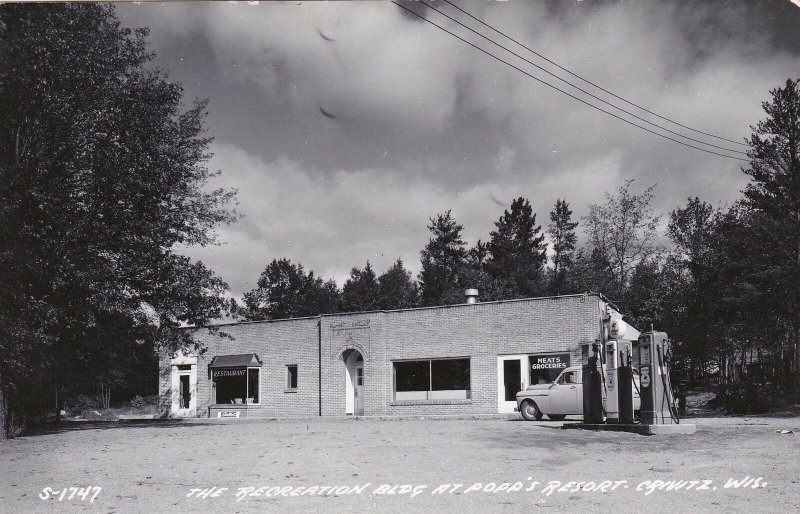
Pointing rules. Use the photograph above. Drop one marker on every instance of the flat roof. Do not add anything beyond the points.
(449, 306)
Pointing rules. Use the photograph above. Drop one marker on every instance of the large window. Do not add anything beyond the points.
(432, 379)
(235, 385)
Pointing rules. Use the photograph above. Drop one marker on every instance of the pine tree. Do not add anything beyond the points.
(396, 288)
(443, 258)
(773, 196)
(562, 234)
(517, 250)
(360, 291)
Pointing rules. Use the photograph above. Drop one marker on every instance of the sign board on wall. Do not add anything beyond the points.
(545, 367)
(557, 361)
(228, 414)
(239, 372)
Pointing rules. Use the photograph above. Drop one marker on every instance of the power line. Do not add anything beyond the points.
(581, 89)
(561, 90)
(590, 82)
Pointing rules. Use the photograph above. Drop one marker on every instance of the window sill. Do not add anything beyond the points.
(429, 402)
(292, 390)
(234, 406)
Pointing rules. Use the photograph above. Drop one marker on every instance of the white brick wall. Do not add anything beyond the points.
(481, 332)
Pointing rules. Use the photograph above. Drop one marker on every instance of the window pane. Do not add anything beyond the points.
(252, 384)
(230, 385)
(291, 377)
(450, 374)
(412, 380)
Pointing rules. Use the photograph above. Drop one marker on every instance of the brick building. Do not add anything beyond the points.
(454, 359)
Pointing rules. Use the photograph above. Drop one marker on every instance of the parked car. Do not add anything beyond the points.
(562, 398)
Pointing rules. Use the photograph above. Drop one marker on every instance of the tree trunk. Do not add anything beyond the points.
(4, 414)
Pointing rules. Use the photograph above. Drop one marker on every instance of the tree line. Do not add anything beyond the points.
(723, 282)
(103, 176)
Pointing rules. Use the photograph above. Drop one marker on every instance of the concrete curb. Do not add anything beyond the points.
(682, 428)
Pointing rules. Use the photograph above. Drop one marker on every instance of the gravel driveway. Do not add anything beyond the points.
(335, 465)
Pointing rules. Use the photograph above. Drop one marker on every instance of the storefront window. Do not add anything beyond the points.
(235, 385)
(546, 367)
(434, 379)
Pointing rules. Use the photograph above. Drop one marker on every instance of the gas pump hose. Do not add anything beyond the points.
(664, 379)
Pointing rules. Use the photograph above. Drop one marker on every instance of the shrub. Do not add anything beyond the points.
(83, 403)
(743, 397)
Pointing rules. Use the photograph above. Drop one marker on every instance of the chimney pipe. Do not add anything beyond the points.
(472, 296)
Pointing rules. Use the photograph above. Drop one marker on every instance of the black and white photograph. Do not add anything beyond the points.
(400, 256)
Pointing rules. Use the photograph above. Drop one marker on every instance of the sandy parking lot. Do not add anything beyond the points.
(345, 464)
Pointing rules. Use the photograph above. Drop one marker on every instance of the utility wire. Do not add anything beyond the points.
(581, 89)
(590, 82)
(561, 90)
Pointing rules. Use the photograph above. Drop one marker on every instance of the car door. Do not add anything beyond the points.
(564, 394)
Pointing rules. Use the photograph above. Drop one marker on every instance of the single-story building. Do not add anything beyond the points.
(470, 358)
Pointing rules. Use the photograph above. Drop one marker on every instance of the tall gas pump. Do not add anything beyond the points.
(653, 350)
(618, 375)
(592, 383)
(619, 379)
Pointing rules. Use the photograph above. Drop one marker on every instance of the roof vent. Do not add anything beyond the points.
(472, 295)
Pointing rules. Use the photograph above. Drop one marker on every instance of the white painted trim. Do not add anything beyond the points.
(503, 406)
(176, 411)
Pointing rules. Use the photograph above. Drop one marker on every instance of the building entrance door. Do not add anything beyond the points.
(358, 389)
(512, 377)
(354, 383)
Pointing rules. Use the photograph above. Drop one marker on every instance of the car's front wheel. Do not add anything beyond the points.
(530, 411)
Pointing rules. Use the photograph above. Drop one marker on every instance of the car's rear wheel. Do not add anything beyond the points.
(530, 411)
(557, 417)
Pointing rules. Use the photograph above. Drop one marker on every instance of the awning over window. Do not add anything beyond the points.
(242, 360)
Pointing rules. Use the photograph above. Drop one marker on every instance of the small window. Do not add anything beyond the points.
(291, 376)
(359, 376)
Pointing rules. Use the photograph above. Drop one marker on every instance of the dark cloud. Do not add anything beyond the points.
(346, 125)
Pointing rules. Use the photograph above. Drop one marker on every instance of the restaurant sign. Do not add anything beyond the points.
(229, 372)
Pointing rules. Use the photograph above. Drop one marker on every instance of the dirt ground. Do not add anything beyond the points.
(360, 465)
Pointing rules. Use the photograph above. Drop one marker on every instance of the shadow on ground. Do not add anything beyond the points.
(73, 426)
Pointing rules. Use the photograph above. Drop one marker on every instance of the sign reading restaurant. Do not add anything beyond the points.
(229, 372)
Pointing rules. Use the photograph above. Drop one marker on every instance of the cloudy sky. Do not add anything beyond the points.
(345, 126)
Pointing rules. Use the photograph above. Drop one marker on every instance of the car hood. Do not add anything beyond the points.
(538, 387)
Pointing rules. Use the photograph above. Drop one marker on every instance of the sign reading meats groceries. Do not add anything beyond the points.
(550, 361)
(545, 367)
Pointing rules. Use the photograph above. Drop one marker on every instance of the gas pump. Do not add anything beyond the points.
(625, 379)
(653, 349)
(592, 383)
(611, 364)
(619, 392)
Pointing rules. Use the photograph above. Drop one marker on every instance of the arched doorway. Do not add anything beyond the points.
(354, 382)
